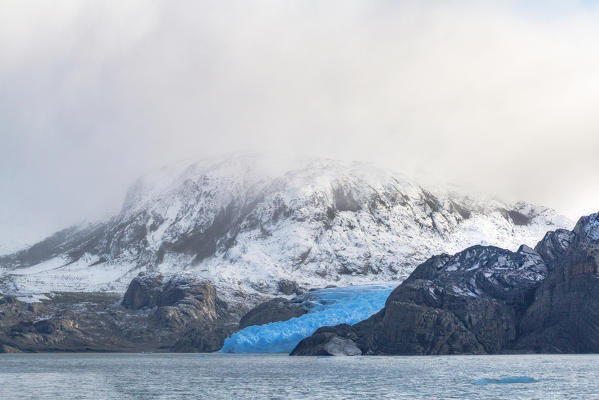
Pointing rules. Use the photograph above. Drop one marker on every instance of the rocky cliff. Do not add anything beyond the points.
(486, 300)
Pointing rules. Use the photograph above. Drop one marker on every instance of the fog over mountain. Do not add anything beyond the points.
(498, 98)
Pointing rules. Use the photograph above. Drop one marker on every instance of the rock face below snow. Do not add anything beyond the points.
(564, 316)
(465, 304)
(330, 341)
(277, 309)
(248, 226)
(486, 300)
(177, 314)
(143, 291)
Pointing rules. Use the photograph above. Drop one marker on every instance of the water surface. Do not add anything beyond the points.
(252, 376)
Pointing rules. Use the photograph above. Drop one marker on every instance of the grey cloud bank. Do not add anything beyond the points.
(497, 97)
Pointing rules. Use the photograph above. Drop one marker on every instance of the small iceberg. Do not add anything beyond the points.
(504, 381)
(332, 306)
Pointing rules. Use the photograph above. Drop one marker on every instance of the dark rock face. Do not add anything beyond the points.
(7, 349)
(288, 287)
(157, 313)
(564, 316)
(554, 245)
(274, 310)
(186, 309)
(465, 304)
(209, 338)
(178, 314)
(69, 322)
(330, 341)
(486, 300)
(143, 291)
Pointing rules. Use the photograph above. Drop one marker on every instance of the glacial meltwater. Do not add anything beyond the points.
(268, 376)
(330, 307)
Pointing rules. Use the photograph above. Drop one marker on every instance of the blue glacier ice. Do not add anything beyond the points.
(506, 380)
(332, 306)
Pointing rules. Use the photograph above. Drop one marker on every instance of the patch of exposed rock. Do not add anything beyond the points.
(156, 314)
(277, 309)
(143, 291)
(330, 341)
(564, 316)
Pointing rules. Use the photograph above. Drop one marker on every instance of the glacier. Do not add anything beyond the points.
(332, 306)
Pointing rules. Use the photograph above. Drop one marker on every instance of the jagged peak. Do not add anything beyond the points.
(587, 228)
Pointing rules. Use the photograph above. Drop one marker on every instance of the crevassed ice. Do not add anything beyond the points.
(333, 306)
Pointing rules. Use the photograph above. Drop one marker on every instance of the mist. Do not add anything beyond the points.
(499, 98)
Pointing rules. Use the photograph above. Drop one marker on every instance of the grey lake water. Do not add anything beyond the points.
(237, 376)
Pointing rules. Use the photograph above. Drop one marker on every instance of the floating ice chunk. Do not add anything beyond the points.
(332, 307)
(506, 380)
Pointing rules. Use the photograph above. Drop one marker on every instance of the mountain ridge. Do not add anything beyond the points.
(247, 224)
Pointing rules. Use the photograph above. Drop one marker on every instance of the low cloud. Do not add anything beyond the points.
(500, 98)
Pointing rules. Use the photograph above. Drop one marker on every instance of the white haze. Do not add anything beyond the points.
(500, 97)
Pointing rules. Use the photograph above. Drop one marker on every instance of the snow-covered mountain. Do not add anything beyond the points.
(250, 225)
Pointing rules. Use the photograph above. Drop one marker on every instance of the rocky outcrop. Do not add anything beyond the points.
(143, 291)
(185, 309)
(277, 309)
(7, 349)
(156, 314)
(173, 314)
(486, 300)
(330, 341)
(288, 287)
(66, 322)
(465, 304)
(564, 316)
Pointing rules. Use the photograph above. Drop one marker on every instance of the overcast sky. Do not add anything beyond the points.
(498, 96)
